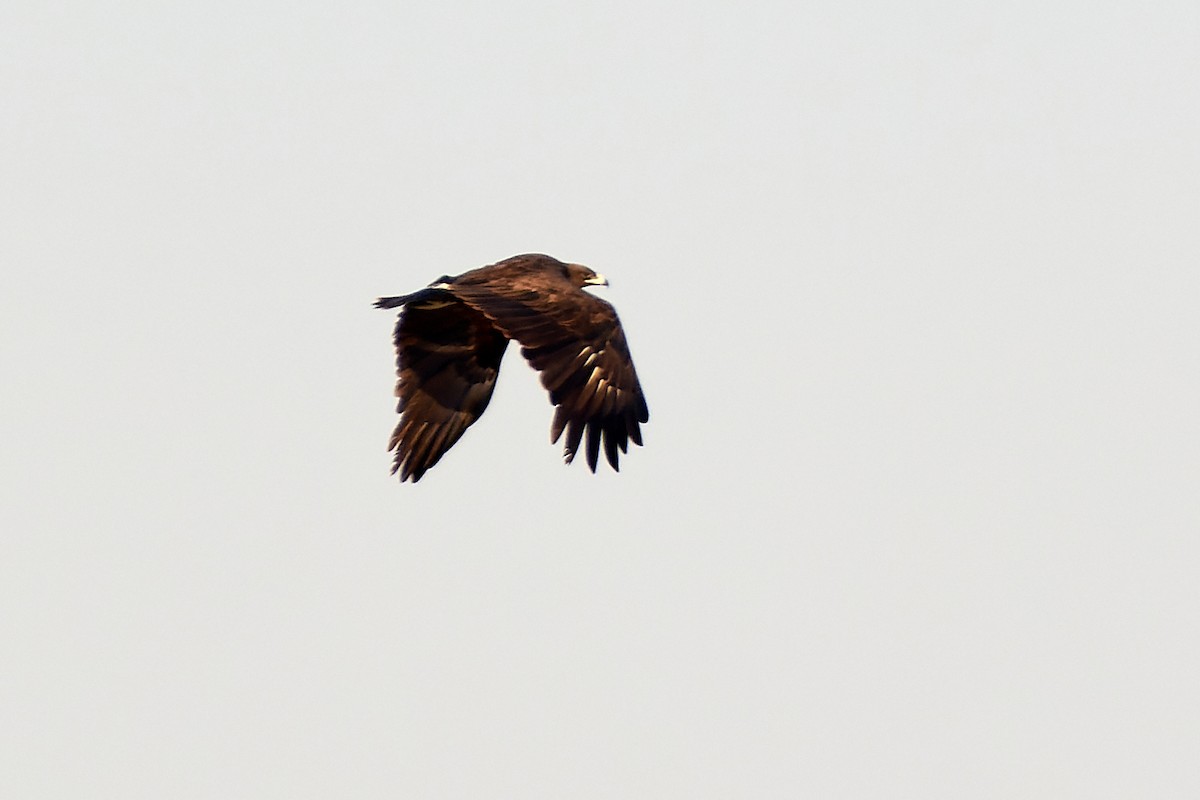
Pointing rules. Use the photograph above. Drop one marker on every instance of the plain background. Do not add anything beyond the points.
(913, 292)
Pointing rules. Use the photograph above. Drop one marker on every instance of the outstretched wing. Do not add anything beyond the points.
(447, 359)
(576, 342)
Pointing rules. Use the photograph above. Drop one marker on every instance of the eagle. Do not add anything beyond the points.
(450, 338)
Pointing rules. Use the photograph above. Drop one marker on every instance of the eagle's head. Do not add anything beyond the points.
(581, 276)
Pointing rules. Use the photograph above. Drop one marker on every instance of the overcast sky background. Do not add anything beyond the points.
(913, 292)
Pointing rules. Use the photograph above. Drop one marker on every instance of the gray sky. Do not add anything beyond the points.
(913, 293)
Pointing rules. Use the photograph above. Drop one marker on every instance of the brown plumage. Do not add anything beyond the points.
(451, 336)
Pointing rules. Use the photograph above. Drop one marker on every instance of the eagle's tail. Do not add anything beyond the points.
(436, 293)
(392, 302)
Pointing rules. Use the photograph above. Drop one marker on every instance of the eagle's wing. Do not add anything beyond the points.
(447, 359)
(575, 341)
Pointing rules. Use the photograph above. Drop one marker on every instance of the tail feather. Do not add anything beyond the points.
(428, 293)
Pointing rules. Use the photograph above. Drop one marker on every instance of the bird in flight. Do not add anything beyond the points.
(451, 336)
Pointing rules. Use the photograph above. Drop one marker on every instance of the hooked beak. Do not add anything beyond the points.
(596, 280)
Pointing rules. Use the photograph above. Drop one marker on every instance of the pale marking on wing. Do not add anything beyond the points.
(429, 305)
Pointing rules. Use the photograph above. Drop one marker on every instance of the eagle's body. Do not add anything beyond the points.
(451, 336)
